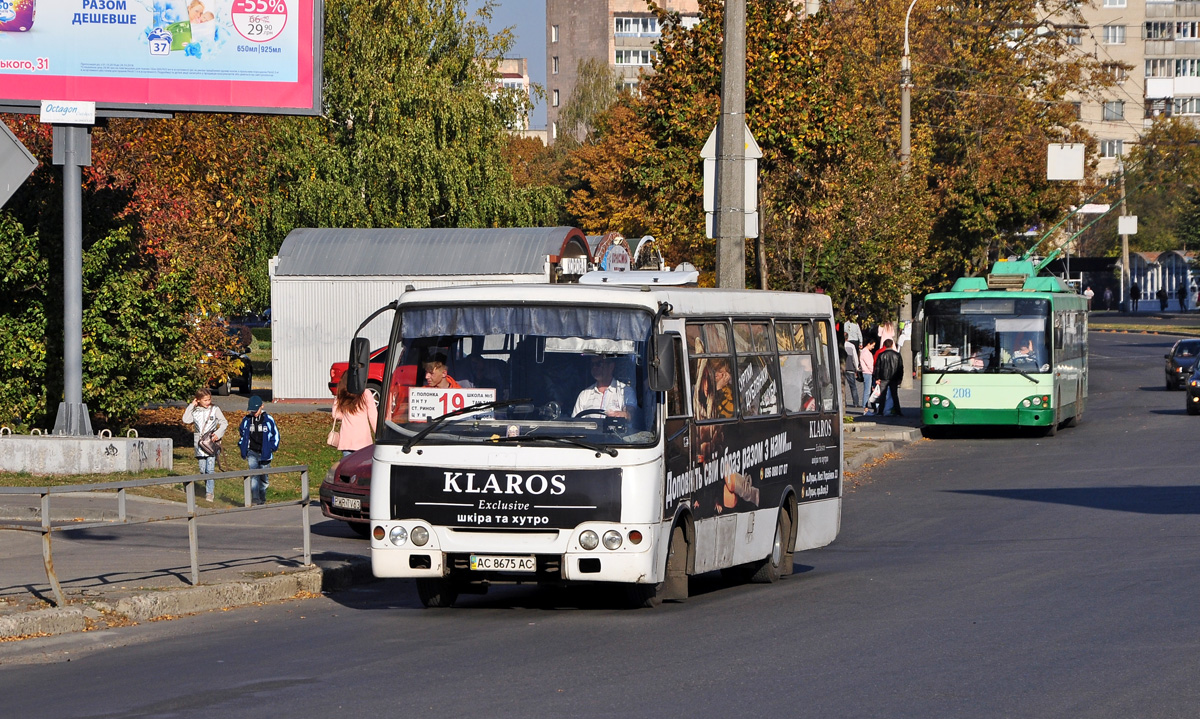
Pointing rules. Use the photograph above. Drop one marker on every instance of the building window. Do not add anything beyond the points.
(1114, 3)
(1073, 34)
(554, 96)
(1162, 106)
(1189, 67)
(1077, 107)
(636, 26)
(1111, 148)
(1159, 68)
(554, 131)
(634, 57)
(1159, 31)
(1117, 72)
(1187, 106)
(554, 64)
(1185, 30)
(1114, 110)
(553, 33)
(1114, 34)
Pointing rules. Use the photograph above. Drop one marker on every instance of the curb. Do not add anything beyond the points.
(330, 572)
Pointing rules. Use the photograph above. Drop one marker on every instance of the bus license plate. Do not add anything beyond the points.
(503, 564)
(347, 502)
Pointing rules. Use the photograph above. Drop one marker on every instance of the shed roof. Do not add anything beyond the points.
(404, 252)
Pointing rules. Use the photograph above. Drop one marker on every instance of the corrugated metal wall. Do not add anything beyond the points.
(314, 318)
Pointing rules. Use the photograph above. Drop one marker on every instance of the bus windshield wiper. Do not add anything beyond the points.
(438, 421)
(571, 440)
(1014, 368)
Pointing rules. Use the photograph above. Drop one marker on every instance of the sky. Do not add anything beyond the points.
(527, 18)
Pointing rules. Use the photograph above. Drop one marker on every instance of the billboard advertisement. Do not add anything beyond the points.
(197, 55)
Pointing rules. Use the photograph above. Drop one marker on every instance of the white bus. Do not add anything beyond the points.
(627, 434)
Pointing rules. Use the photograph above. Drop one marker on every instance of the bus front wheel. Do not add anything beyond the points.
(436, 592)
(674, 587)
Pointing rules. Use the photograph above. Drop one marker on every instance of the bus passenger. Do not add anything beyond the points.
(608, 395)
(435, 373)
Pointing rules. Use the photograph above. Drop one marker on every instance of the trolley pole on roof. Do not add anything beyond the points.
(730, 223)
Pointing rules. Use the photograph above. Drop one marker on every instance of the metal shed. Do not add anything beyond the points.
(324, 282)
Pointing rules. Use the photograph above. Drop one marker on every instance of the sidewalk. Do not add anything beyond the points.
(124, 574)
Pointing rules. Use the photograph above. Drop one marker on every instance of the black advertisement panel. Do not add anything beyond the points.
(742, 466)
(506, 499)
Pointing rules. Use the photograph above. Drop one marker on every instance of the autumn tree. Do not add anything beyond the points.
(1161, 179)
(412, 131)
(596, 89)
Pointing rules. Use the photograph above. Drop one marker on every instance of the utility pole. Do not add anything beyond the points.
(906, 309)
(1124, 241)
(730, 222)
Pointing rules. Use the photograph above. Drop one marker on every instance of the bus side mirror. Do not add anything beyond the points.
(662, 366)
(360, 358)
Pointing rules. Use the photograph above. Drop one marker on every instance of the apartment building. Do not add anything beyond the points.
(1161, 42)
(622, 33)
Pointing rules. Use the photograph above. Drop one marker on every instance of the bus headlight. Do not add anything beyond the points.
(589, 540)
(612, 539)
(398, 535)
(1026, 403)
(420, 536)
(1037, 401)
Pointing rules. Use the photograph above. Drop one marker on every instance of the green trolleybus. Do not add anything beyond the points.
(1006, 349)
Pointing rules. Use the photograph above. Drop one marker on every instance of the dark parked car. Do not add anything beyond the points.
(1180, 362)
(346, 491)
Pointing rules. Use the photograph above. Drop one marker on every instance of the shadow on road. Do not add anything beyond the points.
(1142, 500)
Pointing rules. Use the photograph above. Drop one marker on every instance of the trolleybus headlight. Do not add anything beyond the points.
(398, 535)
(589, 540)
(612, 539)
(420, 536)
(635, 537)
(1026, 403)
(1037, 401)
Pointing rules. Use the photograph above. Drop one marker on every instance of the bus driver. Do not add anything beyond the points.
(609, 395)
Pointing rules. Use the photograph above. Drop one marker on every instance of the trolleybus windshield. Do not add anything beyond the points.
(541, 374)
(985, 334)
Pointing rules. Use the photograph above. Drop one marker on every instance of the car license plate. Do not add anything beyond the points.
(503, 564)
(347, 502)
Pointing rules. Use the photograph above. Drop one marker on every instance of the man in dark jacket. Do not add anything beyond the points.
(889, 371)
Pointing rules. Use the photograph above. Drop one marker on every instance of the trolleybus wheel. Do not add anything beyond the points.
(436, 592)
(770, 569)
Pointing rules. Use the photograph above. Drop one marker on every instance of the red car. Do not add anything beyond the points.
(346, 492)
(375, 372)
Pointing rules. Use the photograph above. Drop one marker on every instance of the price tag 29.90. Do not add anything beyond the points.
(259, 20)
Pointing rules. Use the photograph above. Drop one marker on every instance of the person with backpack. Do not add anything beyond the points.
(889, 371)
(258, 442)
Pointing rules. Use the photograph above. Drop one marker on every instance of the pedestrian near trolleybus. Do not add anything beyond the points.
(1088, 295)
(258, 441)
(1108, 297)
(889, 371)
(1163, 298)
(1135, 294)
(1181, 294)
(850, 371)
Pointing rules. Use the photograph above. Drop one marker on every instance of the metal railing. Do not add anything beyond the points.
(46, 527)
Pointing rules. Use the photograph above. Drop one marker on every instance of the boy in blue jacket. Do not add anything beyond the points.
(259, 440)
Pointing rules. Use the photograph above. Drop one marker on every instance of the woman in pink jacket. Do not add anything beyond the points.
(358, 414)
(866, 363)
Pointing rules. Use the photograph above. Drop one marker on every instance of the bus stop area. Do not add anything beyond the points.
(120, 575)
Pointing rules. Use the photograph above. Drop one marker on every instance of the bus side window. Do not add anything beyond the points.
(825, 360)
(795, 367)
(756, 370)
(712, 371)
(677, 395)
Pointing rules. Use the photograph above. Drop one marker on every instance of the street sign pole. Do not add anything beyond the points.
(72, 150)
(730, 220)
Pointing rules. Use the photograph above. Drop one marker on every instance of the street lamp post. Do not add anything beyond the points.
(906, 99)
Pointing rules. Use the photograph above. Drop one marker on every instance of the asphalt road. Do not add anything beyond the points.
(979, 576)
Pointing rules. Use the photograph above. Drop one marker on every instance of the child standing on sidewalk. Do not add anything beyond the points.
(258, 442)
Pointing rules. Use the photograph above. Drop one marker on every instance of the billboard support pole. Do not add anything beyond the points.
(72, 150)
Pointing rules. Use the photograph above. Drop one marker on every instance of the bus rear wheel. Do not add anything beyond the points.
(772, 568)
(436, 593)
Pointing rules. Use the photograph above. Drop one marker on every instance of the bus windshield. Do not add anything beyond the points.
(555, 375)
(987, 334)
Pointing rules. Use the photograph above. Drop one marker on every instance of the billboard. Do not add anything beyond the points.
(256, 56)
